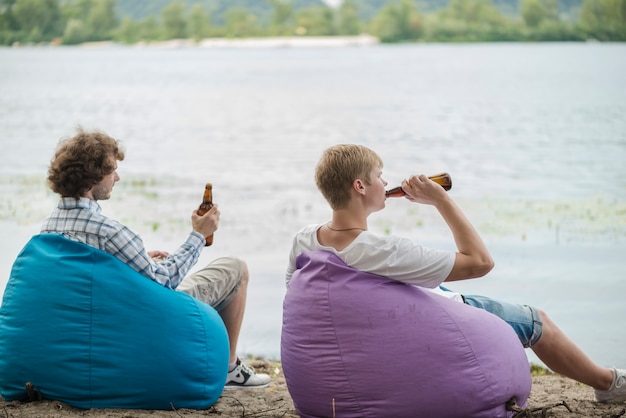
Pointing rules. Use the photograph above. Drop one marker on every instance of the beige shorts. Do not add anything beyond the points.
(216, 284)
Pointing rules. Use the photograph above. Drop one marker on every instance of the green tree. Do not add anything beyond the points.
(8, 26)
(315, 21)
(198, 24)
(397, 21)
(75, 32)
(78, 9)
(535, 12)
(604, 20)
(128, 31)
(282, 18)
(459, 10)
(174, 23)
(473, 12)
(38, 20)
(149, 29)
(348, 16)
(101, 19)
(469, 20)
(240, 23)
(89, 20)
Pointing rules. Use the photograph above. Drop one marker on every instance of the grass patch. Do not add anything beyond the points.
(537, 370)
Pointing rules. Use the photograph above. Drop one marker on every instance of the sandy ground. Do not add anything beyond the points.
(551, 396)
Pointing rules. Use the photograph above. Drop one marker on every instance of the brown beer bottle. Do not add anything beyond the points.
(443, 179)
(207, 203)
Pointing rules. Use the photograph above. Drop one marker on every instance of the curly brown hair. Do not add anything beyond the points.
(82, 161)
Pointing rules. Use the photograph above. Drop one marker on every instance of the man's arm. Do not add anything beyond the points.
(472, 257)
(128, 246)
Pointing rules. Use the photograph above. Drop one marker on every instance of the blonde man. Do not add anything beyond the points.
(350, 178)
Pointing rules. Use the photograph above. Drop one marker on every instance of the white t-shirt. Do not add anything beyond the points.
(397, 258)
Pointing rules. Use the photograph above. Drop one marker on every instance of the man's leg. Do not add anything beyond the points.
(223, 284)
(562, 356)
(232, 314)
(536, 330)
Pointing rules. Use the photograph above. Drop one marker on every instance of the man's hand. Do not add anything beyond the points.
(421, 189)
(472, 257)
(157, 256)
(206, 224)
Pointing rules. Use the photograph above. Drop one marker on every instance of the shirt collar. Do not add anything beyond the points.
(82, 203)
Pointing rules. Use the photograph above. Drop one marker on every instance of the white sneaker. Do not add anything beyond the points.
(244, 377)
(617, 391)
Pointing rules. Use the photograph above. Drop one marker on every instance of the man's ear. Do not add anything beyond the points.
(358, 186)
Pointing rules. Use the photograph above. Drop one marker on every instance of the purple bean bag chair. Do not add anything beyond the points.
(356, 344)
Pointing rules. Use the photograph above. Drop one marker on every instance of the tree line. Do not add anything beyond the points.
(79, 21)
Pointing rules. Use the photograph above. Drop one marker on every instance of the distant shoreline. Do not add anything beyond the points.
(363, 40)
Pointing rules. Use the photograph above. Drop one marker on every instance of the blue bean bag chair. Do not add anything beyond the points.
(355, 344)
(87, 330)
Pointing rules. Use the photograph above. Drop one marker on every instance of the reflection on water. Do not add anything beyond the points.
(533, 135)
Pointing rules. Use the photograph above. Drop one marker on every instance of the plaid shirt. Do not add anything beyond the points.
(81, 220)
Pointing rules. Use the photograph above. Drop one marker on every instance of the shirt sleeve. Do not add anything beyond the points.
(400, 259)
(291, 266)
(129, 247)
(396, 258)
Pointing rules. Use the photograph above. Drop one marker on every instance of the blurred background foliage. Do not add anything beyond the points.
(131, 21)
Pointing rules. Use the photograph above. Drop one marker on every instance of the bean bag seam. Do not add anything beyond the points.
(92, 255)
(332, 318)
(206, 338)
(475, 356)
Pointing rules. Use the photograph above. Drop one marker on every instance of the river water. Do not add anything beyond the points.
(534, 136)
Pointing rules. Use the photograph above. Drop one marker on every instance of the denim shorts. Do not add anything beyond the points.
(524, 320)
(216, 284)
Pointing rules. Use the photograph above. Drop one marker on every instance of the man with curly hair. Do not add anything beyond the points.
(83, 172)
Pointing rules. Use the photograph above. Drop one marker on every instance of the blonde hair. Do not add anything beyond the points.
(339, 166)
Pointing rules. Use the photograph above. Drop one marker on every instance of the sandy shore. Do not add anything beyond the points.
(265, 42)
(552, 396)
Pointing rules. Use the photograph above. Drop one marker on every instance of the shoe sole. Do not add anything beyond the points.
(242, 387)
